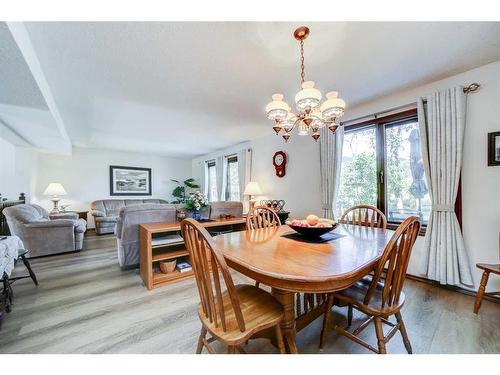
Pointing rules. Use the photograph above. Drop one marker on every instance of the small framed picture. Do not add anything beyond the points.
(494, 148)
(129, 180)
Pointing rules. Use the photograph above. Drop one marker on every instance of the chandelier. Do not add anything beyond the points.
(311, 115)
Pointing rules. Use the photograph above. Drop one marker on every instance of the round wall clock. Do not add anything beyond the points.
(279, 162)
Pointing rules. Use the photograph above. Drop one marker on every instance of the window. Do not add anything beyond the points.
(212, 181)
(233, 181)
(382, 166)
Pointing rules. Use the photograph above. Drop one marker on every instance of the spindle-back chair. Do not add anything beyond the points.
(380, 298)
(262, 217)
(232, 316)
(365, 215)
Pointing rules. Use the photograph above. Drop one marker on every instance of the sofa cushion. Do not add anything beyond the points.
(106, 219)
(111, 207)
(26, 213)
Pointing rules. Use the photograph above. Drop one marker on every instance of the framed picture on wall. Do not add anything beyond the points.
(494, 148)
(129, 180)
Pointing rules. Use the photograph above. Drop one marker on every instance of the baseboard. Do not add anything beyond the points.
(453, 288)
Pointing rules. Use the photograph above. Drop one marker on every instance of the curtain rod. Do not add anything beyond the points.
(473, 87)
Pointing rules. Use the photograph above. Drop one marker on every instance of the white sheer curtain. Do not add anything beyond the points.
(220, 172)
(330, 153)
(204, 179)
(244, 165)
(442, 123)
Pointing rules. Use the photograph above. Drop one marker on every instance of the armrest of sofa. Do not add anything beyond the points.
(97, 213)
(51, 224)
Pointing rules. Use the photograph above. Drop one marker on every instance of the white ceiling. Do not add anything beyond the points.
(186, 89)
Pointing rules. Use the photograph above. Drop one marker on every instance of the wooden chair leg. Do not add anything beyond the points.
(480, 292)
(380, 335)
(279, 339)
(203, 333)
(231, 349)
(349, 315)
(326, 317)
(404, 334)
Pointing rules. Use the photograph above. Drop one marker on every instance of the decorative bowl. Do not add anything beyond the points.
(168, 266)
(312, 232)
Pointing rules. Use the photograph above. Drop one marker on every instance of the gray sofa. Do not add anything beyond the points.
(42, 236)
(127, 228)
(105, 212)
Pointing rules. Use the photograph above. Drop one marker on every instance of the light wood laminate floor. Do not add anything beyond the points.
(86, 304)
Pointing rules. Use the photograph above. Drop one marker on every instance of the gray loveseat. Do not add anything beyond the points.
(127, 228)
(105, 212)
(42, 236)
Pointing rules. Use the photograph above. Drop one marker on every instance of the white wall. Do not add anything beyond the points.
(85, 175)
(17, 168)
(300, 188)
(480, 183)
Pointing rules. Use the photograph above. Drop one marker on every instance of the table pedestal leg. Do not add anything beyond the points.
(287, 299)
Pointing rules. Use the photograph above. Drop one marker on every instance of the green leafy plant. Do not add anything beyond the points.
(179, 192)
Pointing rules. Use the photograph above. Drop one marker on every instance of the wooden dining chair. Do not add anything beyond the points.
(487, 269)
(365, 215)
(235, 315)
(378, 298)
(262, 217)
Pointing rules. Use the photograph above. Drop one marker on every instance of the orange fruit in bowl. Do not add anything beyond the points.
(312, 220)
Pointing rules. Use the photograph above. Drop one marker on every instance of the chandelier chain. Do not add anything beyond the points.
(302, 68)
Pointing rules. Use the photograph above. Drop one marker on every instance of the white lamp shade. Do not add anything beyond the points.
(333, 106)
(54, 188)
(308, 96)
(277, 109)
(252, 188)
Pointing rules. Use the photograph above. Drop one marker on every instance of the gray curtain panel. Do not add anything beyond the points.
(330, 154)
(441, 118)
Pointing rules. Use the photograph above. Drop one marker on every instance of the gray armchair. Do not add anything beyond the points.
(105, 212)
(127, 228)
(42, 236)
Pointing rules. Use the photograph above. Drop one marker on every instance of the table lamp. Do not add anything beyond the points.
(55, 190)
(252, 188)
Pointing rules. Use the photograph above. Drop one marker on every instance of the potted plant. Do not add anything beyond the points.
(195, 202)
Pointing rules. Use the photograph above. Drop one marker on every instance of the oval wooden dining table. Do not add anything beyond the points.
(290, 266)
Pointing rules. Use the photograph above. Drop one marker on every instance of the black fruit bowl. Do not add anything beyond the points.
(312, 232)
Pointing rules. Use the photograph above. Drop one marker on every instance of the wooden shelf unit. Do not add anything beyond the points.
(153, 253)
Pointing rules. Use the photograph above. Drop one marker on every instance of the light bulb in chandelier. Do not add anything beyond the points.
(315, 136)
(277, 109)
(287, 124)
(303, 129)
(308, 97)
(333, 107)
